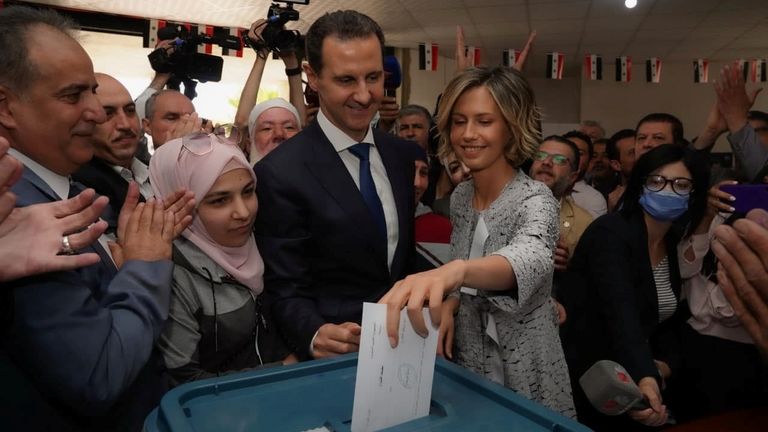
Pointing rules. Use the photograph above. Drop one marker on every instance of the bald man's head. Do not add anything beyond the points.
(117, 139)
(164, 110)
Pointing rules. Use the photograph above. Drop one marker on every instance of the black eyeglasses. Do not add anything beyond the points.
(557, 159)
(680, 185)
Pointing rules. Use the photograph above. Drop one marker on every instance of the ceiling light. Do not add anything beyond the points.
(630, 3)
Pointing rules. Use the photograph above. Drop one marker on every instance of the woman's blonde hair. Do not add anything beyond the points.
(514, 97)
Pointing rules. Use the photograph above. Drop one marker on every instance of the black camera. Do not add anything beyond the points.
(185, 63)
(276, 37)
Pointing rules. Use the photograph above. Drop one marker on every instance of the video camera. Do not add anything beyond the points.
(185, 63)
(276, 38)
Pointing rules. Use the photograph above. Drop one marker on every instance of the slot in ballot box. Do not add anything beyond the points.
(320, 393)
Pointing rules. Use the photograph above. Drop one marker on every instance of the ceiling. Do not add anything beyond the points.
(674, 30)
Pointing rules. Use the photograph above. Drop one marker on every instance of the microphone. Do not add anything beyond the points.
(611, 390)
(393, 75)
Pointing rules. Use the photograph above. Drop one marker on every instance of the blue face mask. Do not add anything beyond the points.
(665, 206)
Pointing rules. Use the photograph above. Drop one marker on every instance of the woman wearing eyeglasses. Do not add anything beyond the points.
(216, 322)
(624, 292)
(505, 226)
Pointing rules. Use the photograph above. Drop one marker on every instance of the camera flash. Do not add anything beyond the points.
(630, 3)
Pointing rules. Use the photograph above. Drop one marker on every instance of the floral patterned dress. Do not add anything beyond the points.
(511, 337)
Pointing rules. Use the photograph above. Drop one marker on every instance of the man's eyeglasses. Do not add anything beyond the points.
(557, 159)
(680, 185)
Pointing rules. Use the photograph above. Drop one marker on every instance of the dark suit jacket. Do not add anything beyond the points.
(83, 338)
(99, 175)
(611, 301)
(316, 235)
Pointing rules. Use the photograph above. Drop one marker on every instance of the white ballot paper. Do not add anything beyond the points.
(393, 386)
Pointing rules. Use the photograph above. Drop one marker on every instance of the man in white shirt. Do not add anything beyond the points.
(336, 205)
(115, 143)
(584, 195)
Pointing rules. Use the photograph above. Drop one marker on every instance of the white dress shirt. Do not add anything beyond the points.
(342, 142)
(589, 198)
(138, 173)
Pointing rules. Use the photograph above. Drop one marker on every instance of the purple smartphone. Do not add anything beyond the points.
(748, 196)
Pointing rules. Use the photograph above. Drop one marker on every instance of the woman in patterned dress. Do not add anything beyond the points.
(505, 229)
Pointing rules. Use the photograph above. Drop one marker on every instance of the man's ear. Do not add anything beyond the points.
(615, 165)
(312, 77)
(145, 126)
(6, 107)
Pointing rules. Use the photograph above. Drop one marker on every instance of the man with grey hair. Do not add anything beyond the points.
(592, 129)
(78, 352)
(414, 123)
(169, 115)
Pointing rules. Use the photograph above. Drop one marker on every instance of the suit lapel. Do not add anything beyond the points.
(331, 173)
(39, 184)
(31, 185)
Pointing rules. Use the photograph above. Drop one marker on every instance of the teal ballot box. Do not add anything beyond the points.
(320, 393)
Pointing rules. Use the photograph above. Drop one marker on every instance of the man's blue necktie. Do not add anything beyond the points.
(368, 187)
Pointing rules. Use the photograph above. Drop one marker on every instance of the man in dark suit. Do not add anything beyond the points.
(115, 143)
(76, 346)
(335, 222)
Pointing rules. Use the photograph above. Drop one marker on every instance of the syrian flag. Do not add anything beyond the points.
(593, 67)
(700, 71)
(474, 55)
(624, 69)
(233, 32)
(428, 56)
(510, 57)
(555, 65)
(744, 67)
(150, 32)
(205, 48)
(653, 70)
(758, 70)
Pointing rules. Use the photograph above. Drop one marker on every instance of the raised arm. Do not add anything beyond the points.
(251, 88)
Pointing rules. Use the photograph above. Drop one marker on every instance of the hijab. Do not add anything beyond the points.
(194, 163)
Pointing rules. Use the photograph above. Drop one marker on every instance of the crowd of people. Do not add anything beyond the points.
(253, 245)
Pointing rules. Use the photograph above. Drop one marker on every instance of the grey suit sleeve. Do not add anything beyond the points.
(85, 335)
(749, 151)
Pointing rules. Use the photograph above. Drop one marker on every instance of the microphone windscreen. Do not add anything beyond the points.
(610, 389)
(393, 75)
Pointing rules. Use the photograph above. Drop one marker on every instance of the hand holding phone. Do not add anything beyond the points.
(748, 196)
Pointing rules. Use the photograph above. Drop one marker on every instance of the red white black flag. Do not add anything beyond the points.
(743, 65)
(624, 69)
(653, 70)
(511, 56)
(555, 65)
(700, 71)
(474, 54)
(150, 32)
(428, 56)
(758, 71)
(593, 67)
